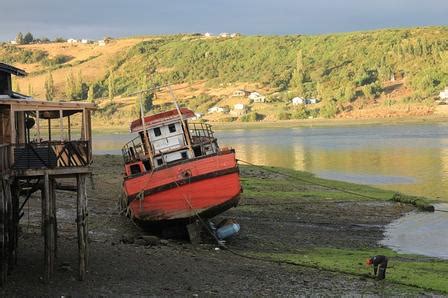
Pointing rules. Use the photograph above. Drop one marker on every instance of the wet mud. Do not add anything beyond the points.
(123, 262)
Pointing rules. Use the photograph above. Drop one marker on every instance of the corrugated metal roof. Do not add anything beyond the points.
(12, 70)
(152, 120)
(42, 105)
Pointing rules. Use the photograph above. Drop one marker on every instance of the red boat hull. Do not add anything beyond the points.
(202, 187)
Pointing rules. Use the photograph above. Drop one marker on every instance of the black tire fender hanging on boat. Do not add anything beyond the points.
(184, 174)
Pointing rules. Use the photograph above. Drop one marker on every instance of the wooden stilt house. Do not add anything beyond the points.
(40, 142)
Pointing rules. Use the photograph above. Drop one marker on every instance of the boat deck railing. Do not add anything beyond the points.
(133, 150)
(51, 155)
(201, 133)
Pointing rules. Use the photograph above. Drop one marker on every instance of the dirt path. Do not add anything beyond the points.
(175, 268)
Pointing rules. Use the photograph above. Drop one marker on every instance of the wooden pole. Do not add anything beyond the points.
(85, 226)
(38, 126)
(14, 237)
(3, 231)
(69, 128)
(46, 227)
(49, 130)
(61, 124)
(52, 210)
(80, 222)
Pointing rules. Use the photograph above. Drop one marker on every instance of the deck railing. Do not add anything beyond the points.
(201, 130)
(201, 134)
(5, 158)
(133, 150)
(52, 155)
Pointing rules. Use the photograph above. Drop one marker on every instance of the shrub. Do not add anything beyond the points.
(300, 113)
(252, 117)
(329, 110)
(283, 115)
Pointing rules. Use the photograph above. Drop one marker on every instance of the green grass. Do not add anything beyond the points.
(410, 270)
(284, 184)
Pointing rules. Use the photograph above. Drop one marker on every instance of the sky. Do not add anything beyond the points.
(95, 19)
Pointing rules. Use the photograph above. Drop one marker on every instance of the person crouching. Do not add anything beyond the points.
(379, 266)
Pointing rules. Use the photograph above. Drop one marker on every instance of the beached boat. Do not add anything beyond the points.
(176, 172)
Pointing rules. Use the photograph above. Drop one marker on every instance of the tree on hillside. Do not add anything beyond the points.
(111, 85)
(298, 75)
(28, 38)
(349, 92)
(70, 86)
(60, 39)
(49, 87)
(81, 88)
(90, 94)
(146, 97)
(19, 38)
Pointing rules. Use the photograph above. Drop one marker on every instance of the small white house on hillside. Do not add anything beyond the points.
(239, 106)
(444, 94)
(257, 97)
(304, 101)
(217, 109)
(298, 101)
(241, 93)
(72, 40)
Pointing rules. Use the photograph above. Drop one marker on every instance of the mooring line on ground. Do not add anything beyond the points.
(308, 181)
(439, 210)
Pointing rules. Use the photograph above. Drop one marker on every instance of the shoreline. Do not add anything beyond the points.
(301, 123)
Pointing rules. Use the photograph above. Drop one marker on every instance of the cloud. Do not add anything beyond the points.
(97, 18)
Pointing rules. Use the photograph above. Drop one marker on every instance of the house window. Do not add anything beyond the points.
(172, 128)
(157, 131)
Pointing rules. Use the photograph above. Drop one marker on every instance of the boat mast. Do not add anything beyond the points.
(184, 126)
(145, 133)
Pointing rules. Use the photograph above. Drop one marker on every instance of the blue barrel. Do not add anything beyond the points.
(227, 231)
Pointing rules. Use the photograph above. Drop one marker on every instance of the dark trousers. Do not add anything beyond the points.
(382, 271)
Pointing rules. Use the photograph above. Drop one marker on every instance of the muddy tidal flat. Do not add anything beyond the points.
(293, 234)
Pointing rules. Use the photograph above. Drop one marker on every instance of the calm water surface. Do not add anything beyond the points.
(407, 158)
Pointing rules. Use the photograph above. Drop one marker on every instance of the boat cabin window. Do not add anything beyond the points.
(159, 161)
(197, 151)
(135, 169)
(184, 155)
(157, 131)
(172, 128)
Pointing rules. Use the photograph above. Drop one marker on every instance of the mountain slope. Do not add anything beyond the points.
(349, 72)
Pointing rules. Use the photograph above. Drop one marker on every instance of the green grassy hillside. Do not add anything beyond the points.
(349, 71)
